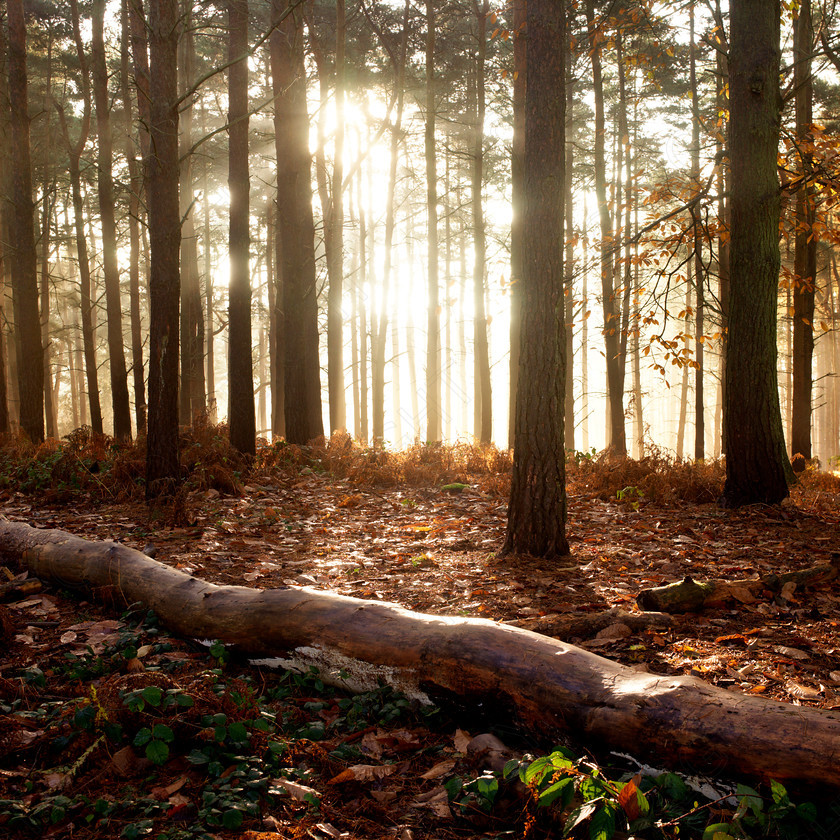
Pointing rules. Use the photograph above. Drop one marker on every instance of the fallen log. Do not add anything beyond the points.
(689, 595)
(549, 685)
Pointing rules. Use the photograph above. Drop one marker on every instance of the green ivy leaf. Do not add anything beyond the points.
(142, 737)
(237, 732)
(157, 752)
(163, 733)
(602, 826)
(152, 695)
(564, 790)
(232, 819)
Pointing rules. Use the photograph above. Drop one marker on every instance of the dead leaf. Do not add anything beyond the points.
(168, 790)
(461, 739)
(628, 798)
(295, 790)
(614, 631)
(68, 637)
(791, 653)
(804, 692)
(363, 773)
(436, 800)
(787, 590)
(440, 769)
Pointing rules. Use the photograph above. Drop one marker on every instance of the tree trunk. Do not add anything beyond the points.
(6, 209)
(547, 684)
(757, 467)
(699, 272)
(105, 191)
(722, 102)
(296, 270)
(617, 443)
(24, 260)
(135, 185)
(363, 316)
(191, 396)
(241, 417)
(520, 56)
(209, 331)
(805, 247)
(433, 384)
(162, 172)
(482, 384)
(379, 325)
(335, 317)
(74, 153)
(569, 266)
(537, 508)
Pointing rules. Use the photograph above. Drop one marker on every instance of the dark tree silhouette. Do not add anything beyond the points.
(756, 462)
(162, 171)
(24, 267)
(537, 509)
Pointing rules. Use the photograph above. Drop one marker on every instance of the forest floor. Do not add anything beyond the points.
(430, 547)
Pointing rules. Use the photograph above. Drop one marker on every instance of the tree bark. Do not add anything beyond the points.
(757, 467)
(548, 684)
(379, 324)
(517, 159)
(302, 372)
(805, 247)
(192, 401)
(689, 595)
(24, 260)
(135, 185)
(612, 319)
(483, 391)
(162, 168)
(105, 192)
(433, 383)
(5, 228)
(537, 508)
(699, 271)
(241, 411)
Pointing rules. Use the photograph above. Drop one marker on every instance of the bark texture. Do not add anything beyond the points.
(537, 509)
(24, 268)
(241, 412)
(302, 374)
(756, 461)
(162, 172)
(547, 683)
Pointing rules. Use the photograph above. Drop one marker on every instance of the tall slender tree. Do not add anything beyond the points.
(433, 384)
(241, 411)
(135, 185)
(757, 468)
(612, 318)
(162, 174)
(296, 266)
(537, 509)
(520, 47)
(107, 216)
(805, 239)
(24, 262)
(483, 392)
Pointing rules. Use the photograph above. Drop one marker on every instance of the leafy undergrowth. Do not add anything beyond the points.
(89, 707)
(122, 731)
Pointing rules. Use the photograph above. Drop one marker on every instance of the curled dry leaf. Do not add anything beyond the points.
(440, 769)
(461, 739)
(295, 790)
(363, 773)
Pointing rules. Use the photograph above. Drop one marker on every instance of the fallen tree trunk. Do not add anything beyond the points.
(548, 684)
(689, 595)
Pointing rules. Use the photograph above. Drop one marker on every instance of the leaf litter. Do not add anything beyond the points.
(430, 549)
